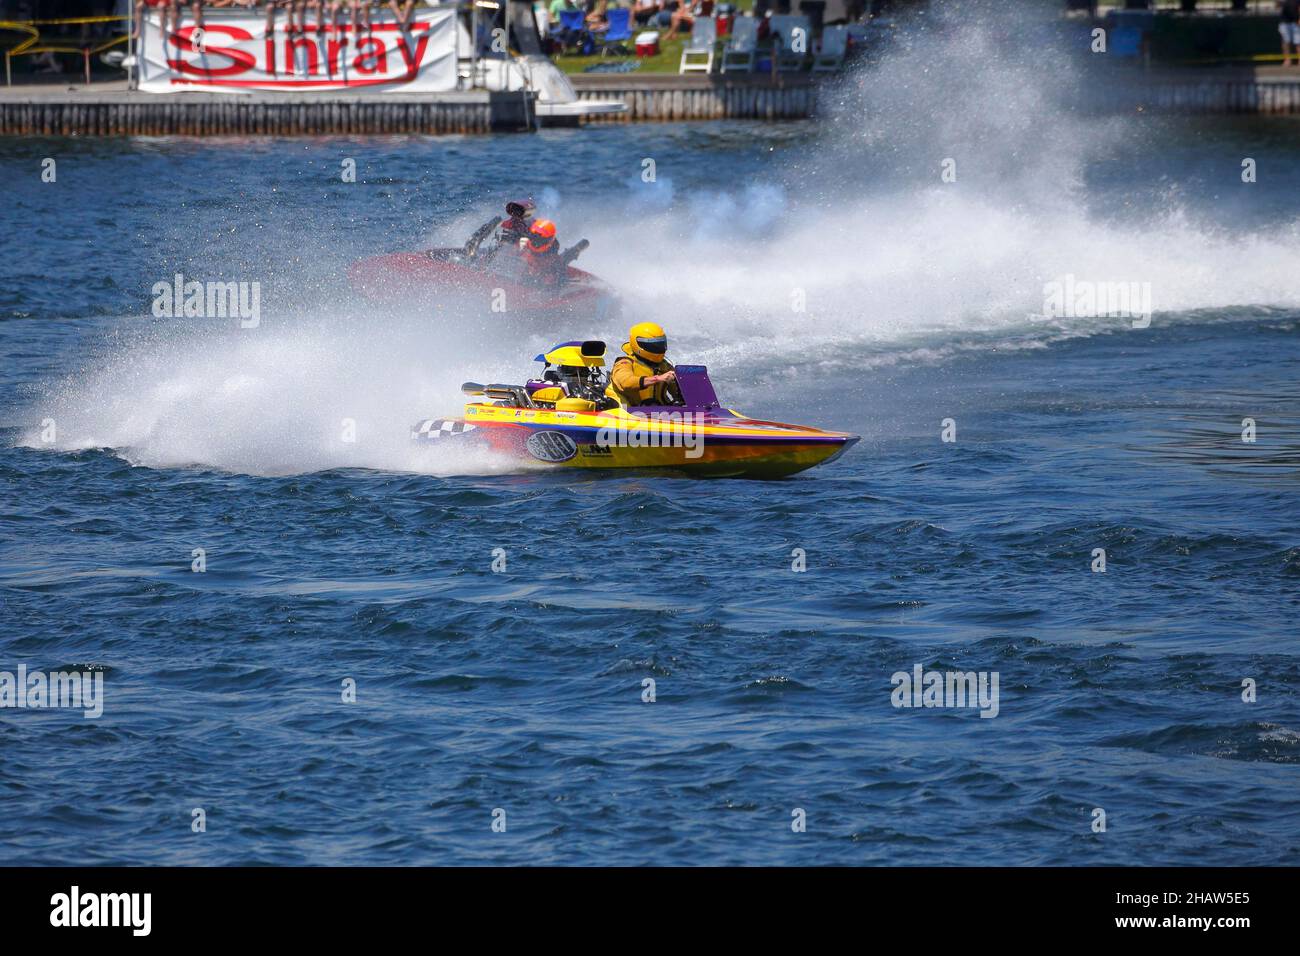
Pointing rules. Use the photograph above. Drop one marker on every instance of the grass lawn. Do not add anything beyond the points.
(668, 60)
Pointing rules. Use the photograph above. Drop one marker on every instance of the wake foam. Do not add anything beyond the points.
(331, 391)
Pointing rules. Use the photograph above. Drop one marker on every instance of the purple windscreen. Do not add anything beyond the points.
(696, 389)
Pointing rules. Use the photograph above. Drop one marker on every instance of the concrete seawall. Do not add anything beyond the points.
(109, 109)
(666, 97)
(1270, 90)
(112, 110)
(651, 97)
(45, 111)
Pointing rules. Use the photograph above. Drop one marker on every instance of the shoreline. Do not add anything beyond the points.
(109, 108)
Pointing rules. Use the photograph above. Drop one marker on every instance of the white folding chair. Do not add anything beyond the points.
(793, 37)
(831, 50)
(738, 54)
(697, 55)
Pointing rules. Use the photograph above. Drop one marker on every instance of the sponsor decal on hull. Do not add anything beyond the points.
(553, 447)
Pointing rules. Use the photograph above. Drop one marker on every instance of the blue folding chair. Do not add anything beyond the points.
(619, 31)
(573, 26)
(1126, 42)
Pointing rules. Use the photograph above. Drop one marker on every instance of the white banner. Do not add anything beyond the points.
(235, 55)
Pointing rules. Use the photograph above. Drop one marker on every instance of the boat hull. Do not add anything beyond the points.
(417, 276)
(720, 445)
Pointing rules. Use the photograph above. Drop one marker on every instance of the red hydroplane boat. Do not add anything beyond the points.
(494, 272)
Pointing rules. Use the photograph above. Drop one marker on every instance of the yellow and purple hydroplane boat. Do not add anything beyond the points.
(569, 418)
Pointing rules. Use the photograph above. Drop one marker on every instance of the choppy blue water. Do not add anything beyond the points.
(523, 690)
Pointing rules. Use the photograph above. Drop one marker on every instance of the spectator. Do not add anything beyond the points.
(196, 9)
(1289, 27)
(326, 11)
(170, 10)
(643, 10)
(303, 7)
(291, 7)
(360, 10)
(683, 16)
(664, 18)
(198, 12)
(335, 7)
(596, 20)
(404, 15)
(563, 36)
(360, 15)
(270, 14)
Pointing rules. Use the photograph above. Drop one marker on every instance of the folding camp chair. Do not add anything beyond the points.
(831, 49)
(697, 55)
(619, 32)
(1125, 43)
(792, 40)
(573, 28)
(738, 54)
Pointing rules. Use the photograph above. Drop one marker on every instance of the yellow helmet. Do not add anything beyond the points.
(648, 341)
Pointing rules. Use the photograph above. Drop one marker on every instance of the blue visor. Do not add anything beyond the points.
(657, 346)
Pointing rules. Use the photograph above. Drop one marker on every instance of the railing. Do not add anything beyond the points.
(32, 43)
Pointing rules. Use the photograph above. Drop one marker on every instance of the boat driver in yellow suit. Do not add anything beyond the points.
(641, 376)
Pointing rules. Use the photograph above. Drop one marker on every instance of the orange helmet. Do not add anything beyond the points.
(541, 236)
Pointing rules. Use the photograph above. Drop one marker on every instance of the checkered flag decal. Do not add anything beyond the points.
(435, 428)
